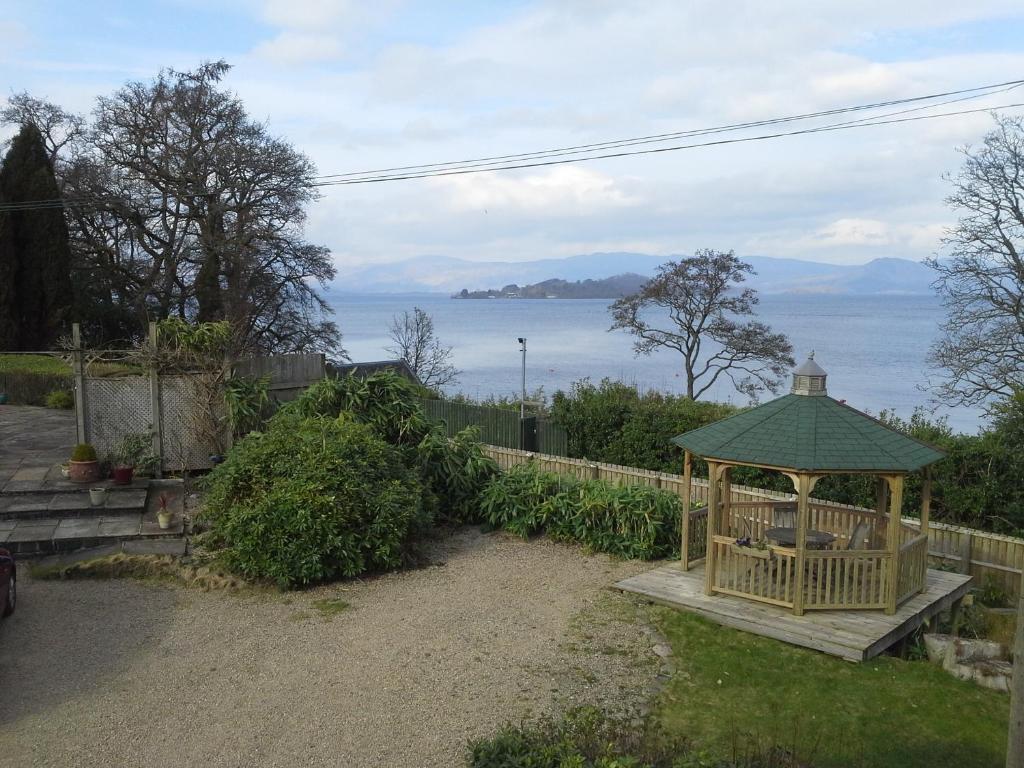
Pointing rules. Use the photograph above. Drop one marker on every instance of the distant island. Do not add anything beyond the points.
(606, 288)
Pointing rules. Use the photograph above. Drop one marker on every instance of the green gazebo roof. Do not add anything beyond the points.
(809, 431)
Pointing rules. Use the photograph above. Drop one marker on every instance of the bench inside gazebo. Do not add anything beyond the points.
(804, 555)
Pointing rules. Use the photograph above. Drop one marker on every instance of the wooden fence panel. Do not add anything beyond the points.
(989, 557)
(289, 375)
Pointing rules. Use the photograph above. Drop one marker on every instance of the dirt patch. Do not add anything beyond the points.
(398, 670)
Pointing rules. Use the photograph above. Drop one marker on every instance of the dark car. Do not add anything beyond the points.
(8, 582)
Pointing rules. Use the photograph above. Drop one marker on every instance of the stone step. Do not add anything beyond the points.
(68, 504)
(54, 483)
(48, 535)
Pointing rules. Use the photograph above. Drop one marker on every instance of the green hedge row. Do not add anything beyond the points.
(634, 522)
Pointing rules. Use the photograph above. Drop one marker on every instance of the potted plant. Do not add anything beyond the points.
(163, 514)
(98, 496)
(84, 467)
(133, 453)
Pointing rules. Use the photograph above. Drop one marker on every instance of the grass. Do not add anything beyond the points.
(730, 685)
(33, 364)
(329, 607)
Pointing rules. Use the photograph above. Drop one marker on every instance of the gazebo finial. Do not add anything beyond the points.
(809, 378)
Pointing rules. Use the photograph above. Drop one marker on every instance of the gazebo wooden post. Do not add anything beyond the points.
(685, 522)
(802, 482)
(895, 483)
(709, 556)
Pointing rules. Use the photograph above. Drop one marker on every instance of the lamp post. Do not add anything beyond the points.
(522, 401)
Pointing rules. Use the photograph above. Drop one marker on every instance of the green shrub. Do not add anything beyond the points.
(135, 450)
(312, 499)
(61, 399)
(634, 522)
(587, 738)
(456, 471)
(384, 400)
(83, 452)
(613, 422)
(583, 738)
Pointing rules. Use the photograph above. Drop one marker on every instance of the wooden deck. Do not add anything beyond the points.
(852, 635)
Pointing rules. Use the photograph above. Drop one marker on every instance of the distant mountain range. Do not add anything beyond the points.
(445, 274)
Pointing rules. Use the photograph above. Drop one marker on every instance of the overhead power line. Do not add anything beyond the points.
(599, 150)
(977, 92)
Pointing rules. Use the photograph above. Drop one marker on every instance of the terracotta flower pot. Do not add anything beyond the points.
(84, 471)
(123, 475)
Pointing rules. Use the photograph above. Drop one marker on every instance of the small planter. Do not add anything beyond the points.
(760, 554)
(164, 517)
(97, 496)
(84, 471)
(65, 470)
(123, 475)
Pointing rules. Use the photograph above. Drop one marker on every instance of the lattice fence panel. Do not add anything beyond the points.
(188, 439)
(116, 407)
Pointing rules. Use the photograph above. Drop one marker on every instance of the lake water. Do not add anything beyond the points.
(874, 348)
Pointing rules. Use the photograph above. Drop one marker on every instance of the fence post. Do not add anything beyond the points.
(154, 399)
(965, 551)
(528, 434)
(78, 370)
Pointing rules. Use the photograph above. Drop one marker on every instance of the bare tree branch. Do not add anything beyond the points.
(416, 343)
(701, 296)
(980, 355)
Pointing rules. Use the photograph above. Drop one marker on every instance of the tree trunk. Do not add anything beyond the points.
(1015, 741)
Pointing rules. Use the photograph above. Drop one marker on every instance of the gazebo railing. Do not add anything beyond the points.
(913, 567)
(767, 575)
(846, 579)
(697, 543)
(843, 575)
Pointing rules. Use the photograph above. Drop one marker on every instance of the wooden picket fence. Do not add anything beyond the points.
(989, 557)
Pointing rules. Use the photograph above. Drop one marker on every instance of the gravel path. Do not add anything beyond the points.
(101, 673)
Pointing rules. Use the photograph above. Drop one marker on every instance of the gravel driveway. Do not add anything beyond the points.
(103, 673)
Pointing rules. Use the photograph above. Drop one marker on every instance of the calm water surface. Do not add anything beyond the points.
(874, 348)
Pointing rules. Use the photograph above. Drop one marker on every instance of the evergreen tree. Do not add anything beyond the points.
(35, 259)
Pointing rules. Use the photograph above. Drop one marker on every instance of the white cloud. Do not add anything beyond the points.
(299, 47)
(561, 191)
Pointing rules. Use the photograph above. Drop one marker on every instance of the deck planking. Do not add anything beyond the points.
(855, 635)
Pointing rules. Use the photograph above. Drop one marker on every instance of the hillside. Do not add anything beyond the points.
(607, 288)
(444, 274)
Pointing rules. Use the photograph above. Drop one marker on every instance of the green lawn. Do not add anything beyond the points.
(33, 364)
(731, 688)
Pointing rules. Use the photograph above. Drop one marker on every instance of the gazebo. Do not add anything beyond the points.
(805, 554)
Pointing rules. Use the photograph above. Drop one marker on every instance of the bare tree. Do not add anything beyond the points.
(181, 205)
(702, 298)
(981, 282)
(416, 343)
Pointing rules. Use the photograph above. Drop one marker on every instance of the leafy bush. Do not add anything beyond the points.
(615, 423)
(312, 499)
(83, 452)
(456, 471)
(626, 521)
(135, 450)
(246, 399)
(61, 399)
(587, 738)
(384, 400)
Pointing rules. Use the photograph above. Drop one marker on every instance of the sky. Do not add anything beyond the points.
(359, 86)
